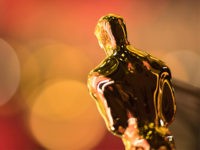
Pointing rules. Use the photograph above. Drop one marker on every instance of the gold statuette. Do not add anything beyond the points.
(132, 90)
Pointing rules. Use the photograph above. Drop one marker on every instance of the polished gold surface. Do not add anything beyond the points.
(132, 90)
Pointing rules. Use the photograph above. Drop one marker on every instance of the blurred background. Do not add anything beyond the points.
(47, 49)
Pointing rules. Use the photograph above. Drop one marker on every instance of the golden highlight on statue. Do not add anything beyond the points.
(132, 90)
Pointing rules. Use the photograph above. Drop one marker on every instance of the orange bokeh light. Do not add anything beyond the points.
(64, 117)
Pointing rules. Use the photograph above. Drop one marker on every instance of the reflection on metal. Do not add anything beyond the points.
(132, 90)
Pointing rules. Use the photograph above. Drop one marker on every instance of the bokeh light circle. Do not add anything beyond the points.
(63, 116)
(59, 60)
(30, 70)
(10, 72)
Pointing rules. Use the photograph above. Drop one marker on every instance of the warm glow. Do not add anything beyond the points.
(30, 70)
(58, 60)
(47, 44)
(63, 116)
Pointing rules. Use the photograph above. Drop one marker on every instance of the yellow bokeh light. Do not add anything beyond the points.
(62, 100)
(63, 116)
(58, 60)
(46, 59)
(30, 70)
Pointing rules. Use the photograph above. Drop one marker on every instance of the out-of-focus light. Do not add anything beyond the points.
(63, 116)
(30, 70)
(10, 72)
(58, 60)
(46, 59)
(184, 66)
